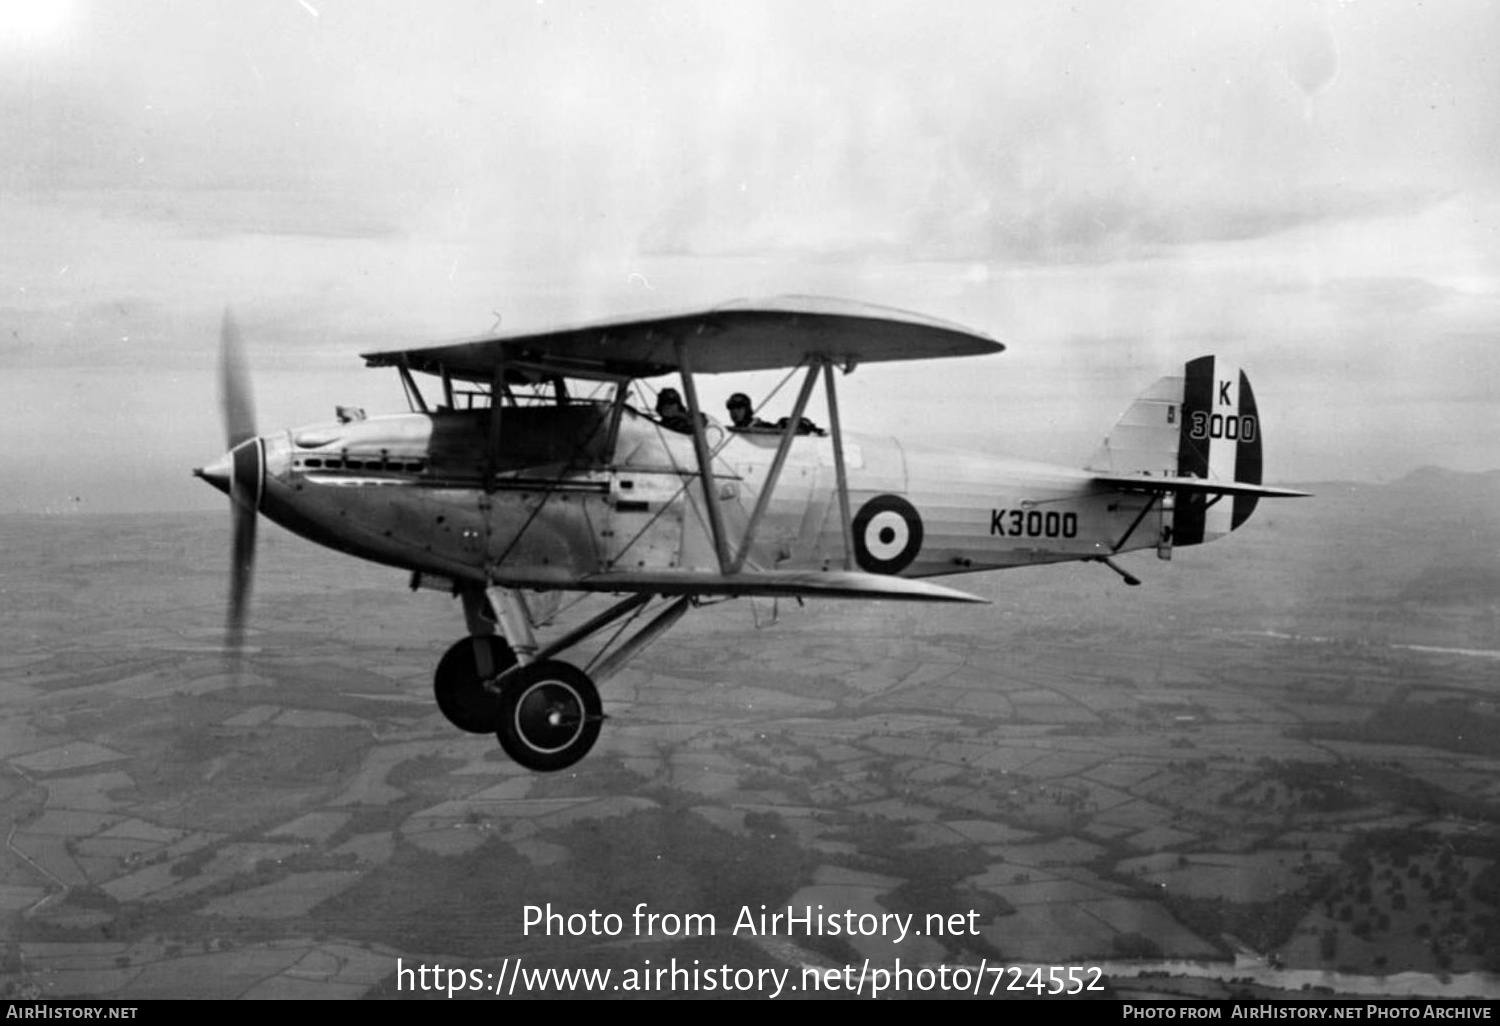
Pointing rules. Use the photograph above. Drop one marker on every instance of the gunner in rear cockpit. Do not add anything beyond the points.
(742, 415)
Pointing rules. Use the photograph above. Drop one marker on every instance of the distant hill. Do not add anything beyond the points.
(1455, 483)
(1440, 490)
(1415, 561)
(1434, 476)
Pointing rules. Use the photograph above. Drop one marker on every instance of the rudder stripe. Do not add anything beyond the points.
(1193, 453)
(1247, 466)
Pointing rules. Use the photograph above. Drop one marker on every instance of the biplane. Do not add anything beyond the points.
(529, 467)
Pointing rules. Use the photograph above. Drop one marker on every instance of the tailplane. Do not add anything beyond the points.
(1194, 436)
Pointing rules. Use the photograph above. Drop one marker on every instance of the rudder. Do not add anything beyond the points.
(1218, 440)
(1202, 424)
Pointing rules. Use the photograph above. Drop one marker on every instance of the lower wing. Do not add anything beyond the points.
(808, 583)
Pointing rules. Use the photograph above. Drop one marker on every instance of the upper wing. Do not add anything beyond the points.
(741, 336)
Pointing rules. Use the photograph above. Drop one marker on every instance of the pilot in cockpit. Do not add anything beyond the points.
(672, 413)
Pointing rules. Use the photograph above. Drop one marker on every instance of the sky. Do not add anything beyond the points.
(1309, 189)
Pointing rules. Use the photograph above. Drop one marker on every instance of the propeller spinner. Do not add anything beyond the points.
(240, 473)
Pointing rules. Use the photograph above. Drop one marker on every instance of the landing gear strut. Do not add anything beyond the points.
(545, 712)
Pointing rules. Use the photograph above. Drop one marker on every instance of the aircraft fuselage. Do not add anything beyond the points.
(561, 499)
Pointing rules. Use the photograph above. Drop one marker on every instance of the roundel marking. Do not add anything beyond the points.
(887, 534)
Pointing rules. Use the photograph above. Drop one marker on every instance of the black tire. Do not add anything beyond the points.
(461, 695)
(550, 715)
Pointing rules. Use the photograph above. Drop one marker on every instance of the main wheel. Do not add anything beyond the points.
(550, 715)
(460, 691)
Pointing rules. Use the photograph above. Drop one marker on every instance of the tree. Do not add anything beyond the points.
(1135, 945)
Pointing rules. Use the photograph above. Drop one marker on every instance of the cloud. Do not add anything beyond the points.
(1040, 136)
(1308, 188)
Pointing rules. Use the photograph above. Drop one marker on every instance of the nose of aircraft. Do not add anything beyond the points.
(217, 473)
(240, 473)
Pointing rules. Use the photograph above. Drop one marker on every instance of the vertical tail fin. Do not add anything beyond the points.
(1202, 423)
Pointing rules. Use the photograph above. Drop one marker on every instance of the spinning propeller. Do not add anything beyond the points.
(240, 473)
